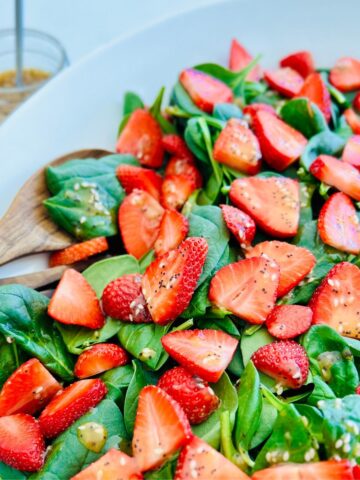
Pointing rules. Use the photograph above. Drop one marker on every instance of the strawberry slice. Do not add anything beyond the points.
(338, 174)
(294, 262)
(71, 404)
(240, 58)
(176, 146)
(280, 144)
(251, 110)
(254, 195)
(175, 190)
(238, 148)
(345, 75)
(113, 465)
(132, 178)
(356, 102)
(139, 222)
(205, 90)
(28, 389)
(161, 428)
(336, 301)
(205, 353)
(186, 167)
(289, 321)
(169, 281)
(285, 80)
(173, 230)
(74, 302)
(141, 137)
(285, 361)
(79, 251)
(99, 358)
(356, 472)
(353, 120)
(329, 470)
(240, 225)
(338, 224)
(22, 445)
(199, 460)
(302, 62)
(315, 90)
(247, 288)
(351, 153)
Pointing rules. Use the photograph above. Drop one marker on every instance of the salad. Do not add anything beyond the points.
(220, 336)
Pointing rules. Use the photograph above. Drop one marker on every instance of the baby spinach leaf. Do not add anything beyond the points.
(166, 472)
(8, 473)
(354, 346)
(224, 324)
(181, 98)
(236, 366)
(325, 142)
(343, 129)
(255, 91)
(132, 102)
(195, 139)
(304, 116)
(314, 420)
(321, 391)
(226, 111)
(155, 111)
(11, 358)
(24, 319)
(249, 344)
(117, 380)
(266, 423)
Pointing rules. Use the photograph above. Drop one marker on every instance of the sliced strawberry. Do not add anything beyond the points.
(289, 321)
(186, 167)
(170, 281)
(79, 251)
(285, 80)
(353, 119)
(315, 90)
(240, 225)
(22, 445)
(345, 75)
(254, 195)
(99, 358)
(74, 302)
(285, 361)
(139, 222)
(123, 299)
(176, 189)
(238, 148)
(338, 224)
(205, 353)
(192, 393)
(294, 262)
(173, 230)
(338, 174)
(205, 90)
(161, 428)
(71, 404)
(176, 146)
(240, 58)
(356, 102)
(251, 110)
(28, 389)
(302, 62)
(200, 461)
(326, 470)
(336, 301)
(141, 137)
(132, 178)
(351, 153)
(247, 288)
(111, 466)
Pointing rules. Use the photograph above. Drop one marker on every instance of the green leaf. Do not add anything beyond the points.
(166, 472)
(343, 129)
(117, 380)
(226, 111)
(325, 142)
(8, 473)
(225, 324)
(132, 102)
(314, 420)
(268, 418)
(321, 391)
(155, 111)
(11, 358)
(249, 344)
(304, 116)
(181, 98)
(354, 346)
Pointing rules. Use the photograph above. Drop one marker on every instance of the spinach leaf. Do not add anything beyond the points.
(304, 116)
(343, 129)
(166, 472)
(266, 423)
(226, 111)
(117, 380)
(314, 420)
(224, 324)
(8, 473)
(321, 391)
(155, 111)
(354, 346)
(249, 344)
(132, 102)
(236, 366)
(325, 142)
(181, 98)
(23, 318)
(11, 358)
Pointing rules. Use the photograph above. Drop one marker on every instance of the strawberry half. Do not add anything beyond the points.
(205, 353)
(186, 167)
(141, 137)
(285, 361)
(294, 262)
(173, 230)
(240, 58)
(99, 358)
(353, 119)
(170, 281)
(132, 178)
(74, 302)
(238, 148)
(336, 301)
(254, 195)
(338, 224)
(351, 153)
(161, 428)
(199, 460)
(139, 222)
(338, 174)
(22, 445)
(251, 110)
(79, 251)
(302, 62)
(345, 75)
(111, 466)
(289, 321)
(329, 470)
(285, 80)
(356, 102)
(247, 288)
(71, 404)
(280, 144)
(205, 91)
(28, 389)
(175, 145)
(240, 225)
(192, 393)
(315, 90)
(175, 190)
